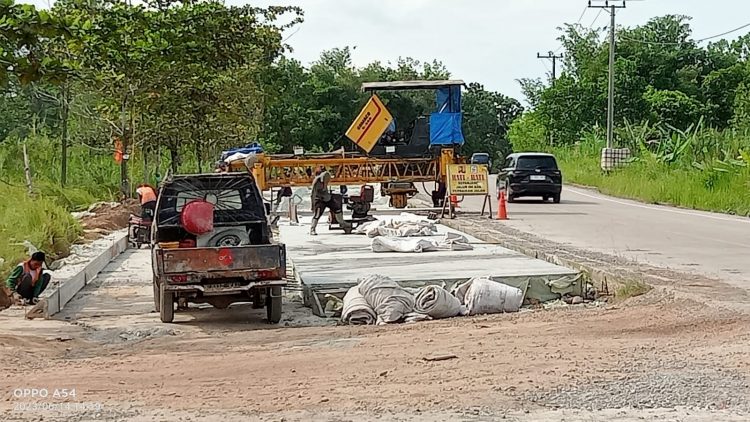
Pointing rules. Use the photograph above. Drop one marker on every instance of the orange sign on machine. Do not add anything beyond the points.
(370, 125)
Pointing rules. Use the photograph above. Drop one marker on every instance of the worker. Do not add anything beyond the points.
(321, 199)
(27, 281)
(147, 196)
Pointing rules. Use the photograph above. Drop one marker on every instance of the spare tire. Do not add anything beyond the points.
(225, 238)
(197, 217)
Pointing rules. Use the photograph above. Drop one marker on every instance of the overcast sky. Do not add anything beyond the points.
(493, 42)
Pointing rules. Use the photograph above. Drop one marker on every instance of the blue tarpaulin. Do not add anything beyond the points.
(445, 123)
(449, 99)
(445, 129)
(254, 148)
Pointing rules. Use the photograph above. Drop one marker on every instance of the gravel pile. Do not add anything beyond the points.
(694, 389)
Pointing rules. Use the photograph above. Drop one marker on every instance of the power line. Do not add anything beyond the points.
(596, 18)
(585, 9)
(292, 34)
(698, 41)
(724, 33)
(580, 18)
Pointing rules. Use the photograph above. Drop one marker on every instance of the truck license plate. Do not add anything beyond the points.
(538, 177)
(221, 286)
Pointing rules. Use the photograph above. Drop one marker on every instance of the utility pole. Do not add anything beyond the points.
(554, 58)
(551, 55)
(612, 7)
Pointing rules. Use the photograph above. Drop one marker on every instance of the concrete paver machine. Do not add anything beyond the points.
(395, 157)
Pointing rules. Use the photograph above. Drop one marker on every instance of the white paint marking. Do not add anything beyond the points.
(661, 208)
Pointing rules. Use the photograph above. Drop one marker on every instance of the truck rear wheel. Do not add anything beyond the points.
(166, 311)
(157, 295)
(273, 304)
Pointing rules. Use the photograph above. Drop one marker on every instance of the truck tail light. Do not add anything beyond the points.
(182, 278)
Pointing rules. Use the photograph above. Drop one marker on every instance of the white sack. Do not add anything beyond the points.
(454, 242)
(481, 295)
(397, 228)
(385, 244)
(451, 242)
(437, 302)
(389, 300)
(356, 311)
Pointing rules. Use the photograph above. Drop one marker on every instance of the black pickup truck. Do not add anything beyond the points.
(238, 261)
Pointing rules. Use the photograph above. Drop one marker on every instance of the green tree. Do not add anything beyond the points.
(487, 119)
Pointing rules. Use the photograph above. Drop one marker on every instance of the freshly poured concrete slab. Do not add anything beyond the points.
(333, 260)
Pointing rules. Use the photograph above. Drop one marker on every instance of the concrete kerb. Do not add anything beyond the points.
(66, 289)
(602, 279)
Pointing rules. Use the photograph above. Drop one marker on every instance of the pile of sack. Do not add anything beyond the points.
(379, 300)
(397, 228)
(450, 242)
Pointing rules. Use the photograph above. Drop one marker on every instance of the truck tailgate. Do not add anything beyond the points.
(239, 258)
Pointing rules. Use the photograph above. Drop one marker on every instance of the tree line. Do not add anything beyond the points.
(175, 82)
(666, 82)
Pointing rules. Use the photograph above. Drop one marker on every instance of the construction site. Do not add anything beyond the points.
(420, 295)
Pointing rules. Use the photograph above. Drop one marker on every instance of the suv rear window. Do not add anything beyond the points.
(480, 158)
(533, 162)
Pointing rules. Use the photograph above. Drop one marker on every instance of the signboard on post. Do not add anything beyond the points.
(468, 179)
(370, 125)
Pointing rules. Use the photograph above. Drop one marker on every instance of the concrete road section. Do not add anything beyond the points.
(333, 260)
(714, 245)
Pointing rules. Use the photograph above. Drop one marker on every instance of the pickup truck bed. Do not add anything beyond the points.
(227, 262)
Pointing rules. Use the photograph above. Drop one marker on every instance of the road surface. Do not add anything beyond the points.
(653, 359)
(714, 245)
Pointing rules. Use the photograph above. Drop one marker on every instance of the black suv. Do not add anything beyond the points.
(530, 174)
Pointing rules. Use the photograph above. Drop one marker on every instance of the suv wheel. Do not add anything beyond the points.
(509, 193)
(556, 198)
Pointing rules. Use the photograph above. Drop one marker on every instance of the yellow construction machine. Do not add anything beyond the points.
(396, 158)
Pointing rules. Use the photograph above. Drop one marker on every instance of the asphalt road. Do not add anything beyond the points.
(715, 245)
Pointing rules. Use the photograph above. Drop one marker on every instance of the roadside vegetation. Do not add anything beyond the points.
(683, 110)
(151, 84)
(84, 80)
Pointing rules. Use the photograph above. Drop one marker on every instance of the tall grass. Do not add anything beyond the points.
(44, 218)
(40, 220)
(699, 168)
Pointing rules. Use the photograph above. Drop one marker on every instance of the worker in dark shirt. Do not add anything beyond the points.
(321, 199)
(28, 279)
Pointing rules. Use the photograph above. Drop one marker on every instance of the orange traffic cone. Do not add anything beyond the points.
(502, 211)
(454, 201)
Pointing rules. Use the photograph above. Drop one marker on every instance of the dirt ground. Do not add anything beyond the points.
(108, 217)
(652, 357)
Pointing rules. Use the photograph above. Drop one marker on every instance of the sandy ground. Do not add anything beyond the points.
(655, 357)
